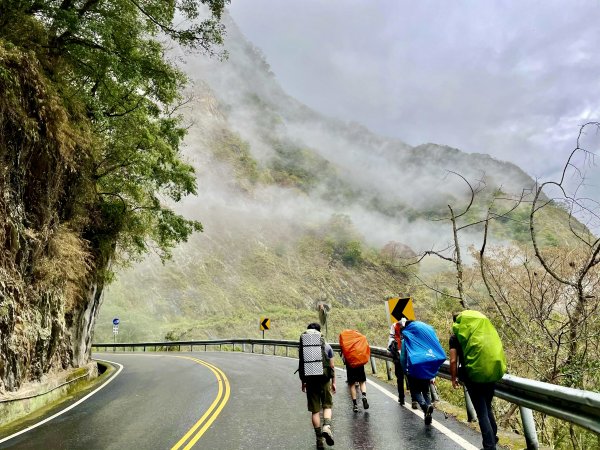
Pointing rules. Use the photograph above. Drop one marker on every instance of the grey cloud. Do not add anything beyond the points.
(490, 77)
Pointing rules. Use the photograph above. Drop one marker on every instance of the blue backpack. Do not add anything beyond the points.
(423, 354)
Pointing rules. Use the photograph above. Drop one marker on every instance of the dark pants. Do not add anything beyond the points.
(481, 396)
(419, 391)
(400, 376)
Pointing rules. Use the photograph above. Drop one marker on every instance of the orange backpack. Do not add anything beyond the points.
(355, 348)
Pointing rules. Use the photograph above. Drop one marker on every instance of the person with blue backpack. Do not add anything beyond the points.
(421, 358)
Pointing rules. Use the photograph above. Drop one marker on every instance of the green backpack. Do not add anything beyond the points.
(484, 358)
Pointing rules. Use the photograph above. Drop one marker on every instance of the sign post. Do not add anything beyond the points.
(265, 324)
(115, 328)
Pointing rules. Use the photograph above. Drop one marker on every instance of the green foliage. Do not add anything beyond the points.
(229, 147)
(106, 56)
(296, 166)
(342, 241)
(352, 255)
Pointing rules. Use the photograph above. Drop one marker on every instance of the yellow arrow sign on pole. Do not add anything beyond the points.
(397, 308)
(265, 323)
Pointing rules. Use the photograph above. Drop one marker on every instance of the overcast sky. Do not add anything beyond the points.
(514, 79)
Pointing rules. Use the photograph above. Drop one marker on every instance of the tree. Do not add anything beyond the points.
(106, 56)
(463, 220)
(579, 276)
(546, 294)
(107, 97)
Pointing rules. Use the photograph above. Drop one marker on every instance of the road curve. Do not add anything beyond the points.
(231, 400)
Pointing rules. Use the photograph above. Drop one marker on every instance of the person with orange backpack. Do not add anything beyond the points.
(355, 354)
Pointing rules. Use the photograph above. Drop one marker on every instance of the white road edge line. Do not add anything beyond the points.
(451, 434)
(66, 409)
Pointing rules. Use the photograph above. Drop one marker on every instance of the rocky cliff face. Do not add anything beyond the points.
(47, 306)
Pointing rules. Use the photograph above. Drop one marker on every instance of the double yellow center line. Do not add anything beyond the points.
(200, 427)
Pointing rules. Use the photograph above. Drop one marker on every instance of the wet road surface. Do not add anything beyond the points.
(158, 398)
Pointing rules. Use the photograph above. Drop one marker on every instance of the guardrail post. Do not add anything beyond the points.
(388, 369)
(204, 347)
(274, 348)
(529, 428)
(263, 349)
(252, 348)
(244, 348)
(373, 365)
(287, 351)
(144, 348)
(471, 414)
(220, 346)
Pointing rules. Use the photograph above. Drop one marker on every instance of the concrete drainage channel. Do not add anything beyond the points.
(35, 399)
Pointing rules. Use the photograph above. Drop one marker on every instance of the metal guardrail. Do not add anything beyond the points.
(572, 405)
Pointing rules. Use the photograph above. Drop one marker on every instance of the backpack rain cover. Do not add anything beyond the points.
(355, 348)
(482, 348)
(424, 353)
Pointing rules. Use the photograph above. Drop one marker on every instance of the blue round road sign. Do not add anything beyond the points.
(116, 321)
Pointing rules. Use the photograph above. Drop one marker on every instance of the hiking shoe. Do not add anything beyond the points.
(401, 401)
(428, 414)
(365, 403)
(355, 408)
(414, 405)
(320, 444)
(327, 434)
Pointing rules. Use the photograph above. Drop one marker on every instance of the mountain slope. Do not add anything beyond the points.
(276, 180)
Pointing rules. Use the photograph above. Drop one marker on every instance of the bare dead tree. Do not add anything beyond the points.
(454, 217)
(589, 256)
(546, 293)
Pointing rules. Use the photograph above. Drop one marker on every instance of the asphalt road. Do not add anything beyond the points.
(231, 400)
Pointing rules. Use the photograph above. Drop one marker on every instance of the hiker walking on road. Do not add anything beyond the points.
(356, 378)
(395, 347)
(421, 357)
(355, 354)
(477, 360)
(317, 374)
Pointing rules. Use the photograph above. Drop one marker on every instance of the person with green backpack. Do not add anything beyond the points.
(477, 360)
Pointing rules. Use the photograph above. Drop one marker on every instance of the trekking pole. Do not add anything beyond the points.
(471, 414)
(434, 392)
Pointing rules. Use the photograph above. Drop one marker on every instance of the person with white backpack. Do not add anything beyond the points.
(317, 374)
